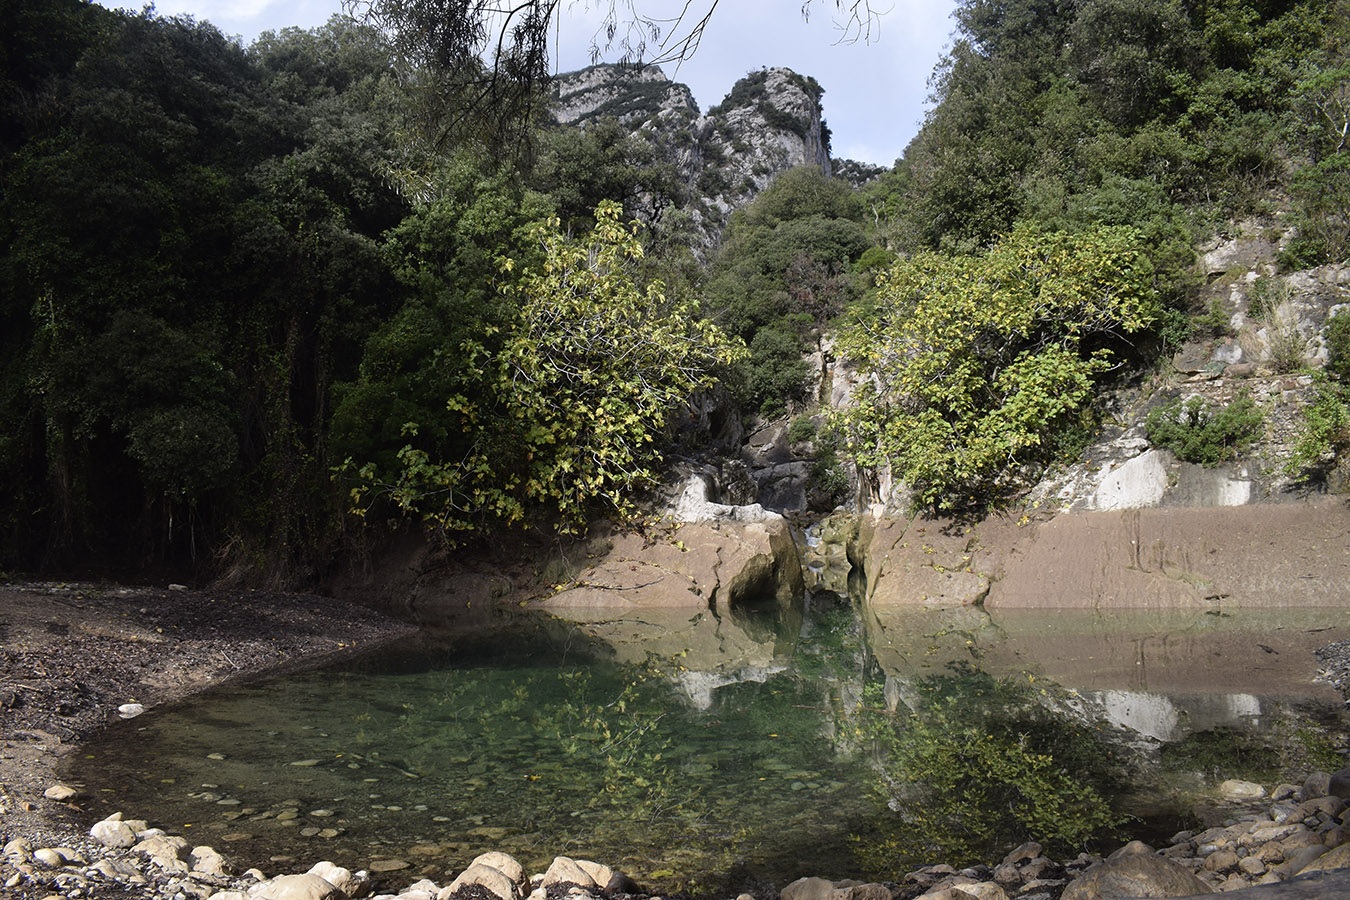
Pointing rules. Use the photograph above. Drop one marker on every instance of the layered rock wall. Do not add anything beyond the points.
(1273, 556)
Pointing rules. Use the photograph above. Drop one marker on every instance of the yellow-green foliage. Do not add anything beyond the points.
(979, 765)
(974, 363)
(580, 389)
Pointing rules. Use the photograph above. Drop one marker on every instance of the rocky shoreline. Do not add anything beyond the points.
(1294, 839)
(73, 654)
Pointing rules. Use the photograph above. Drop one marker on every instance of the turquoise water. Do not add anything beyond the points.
(521, 742)
(689, 752)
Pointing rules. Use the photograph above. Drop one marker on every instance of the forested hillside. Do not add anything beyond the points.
(254, 308)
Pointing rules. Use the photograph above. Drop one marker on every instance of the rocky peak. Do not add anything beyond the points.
(769, 122)
(771, 118)
(635, 96)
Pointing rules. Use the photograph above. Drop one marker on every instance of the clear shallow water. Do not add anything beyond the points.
(525, 744)
(690, 753)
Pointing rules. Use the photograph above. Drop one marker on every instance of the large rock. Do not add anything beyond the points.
(296, 887)
(1339, 784)
(343, 879)
(169, 852)
(1236, 791)
(113, 832)
(810, 888)
(909, 562)
(695, 566)
(565, 870)
(692, 503)
(770, 122)
(206, 861)
(1265, 556)
(505, 863)
(491, 879)
(1338, 858)
(1135, 875)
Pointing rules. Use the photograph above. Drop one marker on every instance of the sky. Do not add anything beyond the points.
(875, 86)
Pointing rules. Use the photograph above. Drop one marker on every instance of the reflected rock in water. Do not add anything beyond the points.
(699, 652)
(699, 686)
(1171, 718)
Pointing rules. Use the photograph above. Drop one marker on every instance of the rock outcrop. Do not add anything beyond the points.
(707, 565)
(770, 122)
(1272, 556)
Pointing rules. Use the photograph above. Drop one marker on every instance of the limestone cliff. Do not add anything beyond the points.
(770, 122)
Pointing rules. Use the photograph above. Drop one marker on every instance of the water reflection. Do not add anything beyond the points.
(677, 743)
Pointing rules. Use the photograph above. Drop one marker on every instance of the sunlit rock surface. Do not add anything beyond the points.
(708, 565)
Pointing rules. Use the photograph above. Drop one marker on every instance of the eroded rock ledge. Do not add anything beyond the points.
(1272, 556)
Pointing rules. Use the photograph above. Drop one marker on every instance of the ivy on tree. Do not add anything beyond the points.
(579, 392)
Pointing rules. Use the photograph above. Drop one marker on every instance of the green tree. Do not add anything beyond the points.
(580, 167)
(784, 270)
(583, 384)
(444, 254)
(975, 363)
(1324, 432)
(189, 263)
(1198, 432)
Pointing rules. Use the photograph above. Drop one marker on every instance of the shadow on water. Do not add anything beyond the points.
(714, 754)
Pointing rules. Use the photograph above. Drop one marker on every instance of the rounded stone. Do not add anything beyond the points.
(1237, 791)
(1318, 784)
(388, 865)
(490, 879)
(505, 863)
(1338, 785)
(49, 858)
(297, 887)
(60, 793)
(340, 878)
(113, 833)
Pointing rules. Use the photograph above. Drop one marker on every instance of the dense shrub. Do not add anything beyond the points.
(1337, 336)
(1195, 431)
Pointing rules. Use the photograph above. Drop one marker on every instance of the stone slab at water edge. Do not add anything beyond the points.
(1278, 555)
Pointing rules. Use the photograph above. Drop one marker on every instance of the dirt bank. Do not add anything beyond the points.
(71, 654)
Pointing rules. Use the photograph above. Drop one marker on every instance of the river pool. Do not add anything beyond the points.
(711, 755)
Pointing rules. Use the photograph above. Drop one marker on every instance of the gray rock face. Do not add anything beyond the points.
(769, 123)
(633, 96)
